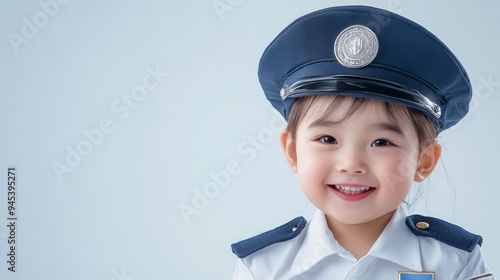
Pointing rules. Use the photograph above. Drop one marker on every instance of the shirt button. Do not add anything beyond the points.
(422, 225)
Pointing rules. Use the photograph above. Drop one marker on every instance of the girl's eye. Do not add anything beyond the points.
(381, 143)
(327, 139)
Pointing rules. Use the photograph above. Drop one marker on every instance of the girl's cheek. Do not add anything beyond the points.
(394, 180)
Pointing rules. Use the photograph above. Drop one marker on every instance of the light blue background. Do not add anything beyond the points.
(116, 214)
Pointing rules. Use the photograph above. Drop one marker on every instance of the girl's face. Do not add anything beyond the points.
(359, 168)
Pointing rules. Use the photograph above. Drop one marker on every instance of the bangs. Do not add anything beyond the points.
(342, 106)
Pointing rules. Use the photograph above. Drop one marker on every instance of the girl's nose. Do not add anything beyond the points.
(351, 162)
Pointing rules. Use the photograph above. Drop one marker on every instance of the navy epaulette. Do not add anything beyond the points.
(443, 231)
(282, 233)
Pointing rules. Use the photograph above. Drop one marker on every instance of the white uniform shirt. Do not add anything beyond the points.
(315, 254)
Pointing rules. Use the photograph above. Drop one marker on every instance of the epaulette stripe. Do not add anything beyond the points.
(443, 231)
(282, 233)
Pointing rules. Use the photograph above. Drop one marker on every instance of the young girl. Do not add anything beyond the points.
(365, 93)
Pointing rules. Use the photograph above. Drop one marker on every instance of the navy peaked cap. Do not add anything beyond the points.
(365, 52)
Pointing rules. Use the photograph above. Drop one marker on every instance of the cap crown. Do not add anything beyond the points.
(411, 66)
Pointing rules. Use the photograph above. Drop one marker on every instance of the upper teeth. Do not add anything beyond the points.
(351, 190)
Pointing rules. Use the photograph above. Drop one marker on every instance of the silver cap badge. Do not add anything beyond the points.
(356, 46)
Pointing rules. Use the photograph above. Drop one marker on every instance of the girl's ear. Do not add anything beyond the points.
(289, 150)
(428, 161)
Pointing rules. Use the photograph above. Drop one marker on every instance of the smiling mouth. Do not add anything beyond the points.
(350, 190)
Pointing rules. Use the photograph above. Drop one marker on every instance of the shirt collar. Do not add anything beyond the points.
(396, 244)
(318, 243)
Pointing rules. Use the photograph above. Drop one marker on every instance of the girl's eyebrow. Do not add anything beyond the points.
(322, 123)
(389, 127)
(378, 126)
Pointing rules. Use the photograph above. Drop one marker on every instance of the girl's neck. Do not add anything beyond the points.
(359, 238)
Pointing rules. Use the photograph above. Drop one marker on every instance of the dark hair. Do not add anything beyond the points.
(425, 128)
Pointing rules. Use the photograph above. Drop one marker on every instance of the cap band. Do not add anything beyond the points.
(364, 86)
